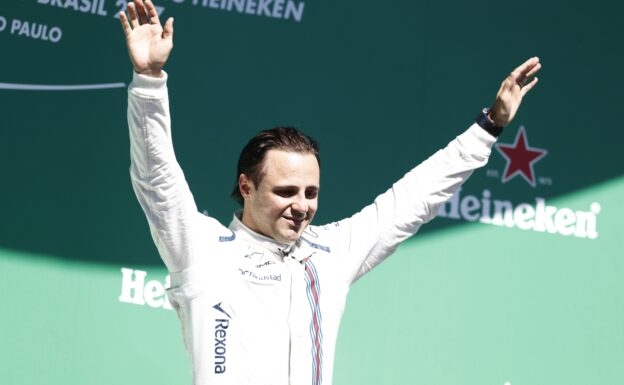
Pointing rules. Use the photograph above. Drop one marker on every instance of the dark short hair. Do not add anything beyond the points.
(251, 159)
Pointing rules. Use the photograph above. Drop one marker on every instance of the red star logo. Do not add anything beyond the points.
(520, 158)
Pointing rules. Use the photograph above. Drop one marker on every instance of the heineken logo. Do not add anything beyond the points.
(536, 215)
(137, 290)
(520, 158)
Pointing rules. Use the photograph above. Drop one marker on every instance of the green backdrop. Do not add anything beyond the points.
(514, 284)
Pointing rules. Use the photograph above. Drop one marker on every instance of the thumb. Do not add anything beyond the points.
(168, 29)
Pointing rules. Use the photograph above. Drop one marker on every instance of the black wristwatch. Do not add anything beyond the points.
(484, 121)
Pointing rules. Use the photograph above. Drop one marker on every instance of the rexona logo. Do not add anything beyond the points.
(534, 215)
(221, 325)
(136, 290)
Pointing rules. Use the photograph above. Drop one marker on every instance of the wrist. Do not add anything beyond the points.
(487, 120)
(151, 73)
(495, 119)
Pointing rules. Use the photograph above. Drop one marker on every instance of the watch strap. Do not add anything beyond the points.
(488, 125)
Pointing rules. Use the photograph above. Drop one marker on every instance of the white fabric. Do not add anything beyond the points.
(254, 311)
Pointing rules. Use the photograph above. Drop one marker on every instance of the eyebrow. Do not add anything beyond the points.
(292, 187)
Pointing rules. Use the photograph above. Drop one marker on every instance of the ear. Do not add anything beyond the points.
(245, 185)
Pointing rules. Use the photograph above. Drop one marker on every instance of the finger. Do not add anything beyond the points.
(142, 12)
(152, 14)
(526, 79)
(168, 29)
(524, 68)
(533, 70)
(124, 24)
(133, 15)
(529, 86)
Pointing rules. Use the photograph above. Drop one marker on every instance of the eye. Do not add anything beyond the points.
(311, 194)
(285, 192)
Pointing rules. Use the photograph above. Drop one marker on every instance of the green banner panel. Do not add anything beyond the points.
(518, 280)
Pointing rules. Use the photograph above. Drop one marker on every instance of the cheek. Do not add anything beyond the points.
(313, 206)
(275, 207)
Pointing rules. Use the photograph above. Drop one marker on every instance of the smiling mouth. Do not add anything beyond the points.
(295, 222)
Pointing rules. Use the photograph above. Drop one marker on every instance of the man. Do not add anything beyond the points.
(260, 302)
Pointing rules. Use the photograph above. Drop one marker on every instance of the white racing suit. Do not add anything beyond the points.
(254, 311)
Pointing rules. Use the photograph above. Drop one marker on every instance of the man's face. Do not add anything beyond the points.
(285, 201)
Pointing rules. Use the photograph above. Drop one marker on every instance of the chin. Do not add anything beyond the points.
(289, 236)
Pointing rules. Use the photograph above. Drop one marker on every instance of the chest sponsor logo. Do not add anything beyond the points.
(253, 276)
(264, 264)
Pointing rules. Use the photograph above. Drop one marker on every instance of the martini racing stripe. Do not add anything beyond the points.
(313, 293)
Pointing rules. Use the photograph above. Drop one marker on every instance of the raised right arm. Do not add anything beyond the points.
(157, 178)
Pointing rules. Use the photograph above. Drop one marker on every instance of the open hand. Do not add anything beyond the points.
(149, 44)
(512, 90)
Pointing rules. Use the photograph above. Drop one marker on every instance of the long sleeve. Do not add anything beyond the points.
(375, 232)
(157, 179)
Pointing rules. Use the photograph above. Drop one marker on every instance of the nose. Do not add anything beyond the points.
(299, 207)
